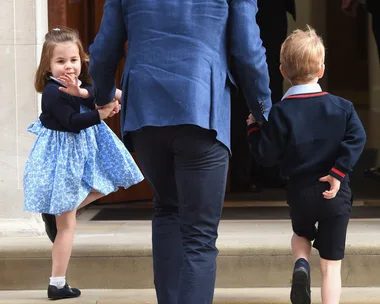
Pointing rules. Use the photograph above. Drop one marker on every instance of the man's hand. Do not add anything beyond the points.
(118, 95)
(115, 110)
(107, 110)
(72, 86)
(334, 186)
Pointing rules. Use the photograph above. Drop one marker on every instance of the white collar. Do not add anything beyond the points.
(303, 89)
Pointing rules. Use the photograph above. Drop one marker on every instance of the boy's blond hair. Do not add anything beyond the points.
(302, 55)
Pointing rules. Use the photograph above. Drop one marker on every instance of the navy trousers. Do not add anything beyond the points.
(186, 168)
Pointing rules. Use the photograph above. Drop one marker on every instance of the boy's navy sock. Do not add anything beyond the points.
(302, 263)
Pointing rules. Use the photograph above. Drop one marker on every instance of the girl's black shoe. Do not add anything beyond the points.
(64, 293)
(50, 226)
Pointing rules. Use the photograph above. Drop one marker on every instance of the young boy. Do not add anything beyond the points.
(317, 139)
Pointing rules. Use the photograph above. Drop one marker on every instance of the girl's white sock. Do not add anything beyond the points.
(58, 282)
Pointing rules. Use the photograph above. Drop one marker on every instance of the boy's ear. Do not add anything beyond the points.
(283, 72)
(321, 71)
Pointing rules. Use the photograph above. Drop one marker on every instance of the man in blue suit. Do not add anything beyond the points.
(176, 110)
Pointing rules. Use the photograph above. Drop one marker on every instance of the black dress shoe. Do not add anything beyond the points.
(50, 226)
(64, 293)
(300, 293)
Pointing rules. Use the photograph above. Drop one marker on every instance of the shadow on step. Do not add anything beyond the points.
(243, 213)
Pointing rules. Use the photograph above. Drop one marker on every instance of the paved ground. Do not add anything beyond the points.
(222, 296)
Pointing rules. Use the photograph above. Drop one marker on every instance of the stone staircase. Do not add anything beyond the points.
(354, 295)
(112, 263)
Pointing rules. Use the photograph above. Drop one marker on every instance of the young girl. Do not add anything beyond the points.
(76, 158)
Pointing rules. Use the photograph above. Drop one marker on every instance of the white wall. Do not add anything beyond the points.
(22, 26)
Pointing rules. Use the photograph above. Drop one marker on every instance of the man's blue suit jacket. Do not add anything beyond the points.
(180, 61)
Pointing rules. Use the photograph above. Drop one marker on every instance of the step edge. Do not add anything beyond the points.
(222, 295)
(224, 251)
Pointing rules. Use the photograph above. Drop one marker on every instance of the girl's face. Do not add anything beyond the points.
(65, 60)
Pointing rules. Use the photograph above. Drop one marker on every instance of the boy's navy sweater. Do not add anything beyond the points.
(61, 111)
(311, 135)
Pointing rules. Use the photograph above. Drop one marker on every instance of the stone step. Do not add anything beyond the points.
(110, 255)
(363, 295)
(237, 201)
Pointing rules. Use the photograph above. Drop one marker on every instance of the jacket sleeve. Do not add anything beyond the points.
(63, 112)
(106, 51)
(248, 59)
(351, 147)
(90, 101)
(268, 143)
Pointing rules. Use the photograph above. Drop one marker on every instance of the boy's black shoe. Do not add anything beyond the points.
(300, 293)
(64, 293)
(50, 226)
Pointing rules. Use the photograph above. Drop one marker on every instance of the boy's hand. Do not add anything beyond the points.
(72, 86)
(251, 119)
(334, 186)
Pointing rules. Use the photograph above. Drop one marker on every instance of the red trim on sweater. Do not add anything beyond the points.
(307, 95)
(338, 172)
(253, 129)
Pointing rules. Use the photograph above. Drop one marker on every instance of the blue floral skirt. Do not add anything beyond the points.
(64, 167)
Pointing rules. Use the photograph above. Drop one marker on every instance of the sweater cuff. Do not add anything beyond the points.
(95, 116)
(253, 128)
(338, 174)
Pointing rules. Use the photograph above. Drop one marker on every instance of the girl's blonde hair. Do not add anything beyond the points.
(302, 55)
(52, 38)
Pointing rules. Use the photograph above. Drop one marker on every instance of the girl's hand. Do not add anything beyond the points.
(72, 86)
(108, 110)
(115, 110)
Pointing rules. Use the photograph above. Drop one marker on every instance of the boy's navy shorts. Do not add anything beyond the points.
(308, 208)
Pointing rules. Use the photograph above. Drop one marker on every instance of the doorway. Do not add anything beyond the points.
(340, 33)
